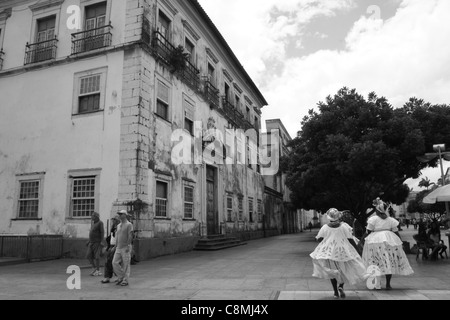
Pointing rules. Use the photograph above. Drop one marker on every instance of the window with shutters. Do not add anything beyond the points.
(188, 202)
(229, 208)
(162, 100)
(89, 91)
(189, 115)
(162, 199)
(164, 24)
(95, 18)
(260, 216)
(241, 208)
(250, 209)
(190, 48)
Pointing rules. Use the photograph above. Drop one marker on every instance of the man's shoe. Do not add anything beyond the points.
(106, 280)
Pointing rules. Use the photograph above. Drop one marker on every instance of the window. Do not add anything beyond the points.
(162, 101)
(161, 199)
(229, 145)
(29, 199)
(190, 47)
(229, 208)
(227, 92)
(189, 114)
(83, 197)
(211, 74)
(238, 102)
(256, 123)
(164, 25)
(89, 97)
(260, 217)
(241, 208)
(248, 113)
(250, 209)
(29, 190)
(46, 29)
(83, 193)
(188, 202)
(239, 149)
(89, 91)
(95, 17)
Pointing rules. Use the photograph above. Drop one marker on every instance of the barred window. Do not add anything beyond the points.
(29, 199)
(83, 197)
(229, 208)
(241, 209)
(250, 209)
(188, 202)
(161, 199)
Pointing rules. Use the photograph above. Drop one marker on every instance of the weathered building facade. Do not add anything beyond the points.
(281, 214)
(133, 104)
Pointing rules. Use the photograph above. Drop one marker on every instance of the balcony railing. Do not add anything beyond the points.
(92, 39)
(40, 51)
(190, 75)
(211, 94)
(1, 58)
(162, 47)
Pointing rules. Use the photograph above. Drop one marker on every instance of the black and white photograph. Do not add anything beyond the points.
(229, 158)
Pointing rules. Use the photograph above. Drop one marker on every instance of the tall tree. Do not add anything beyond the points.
(425, 183)
(355, 149)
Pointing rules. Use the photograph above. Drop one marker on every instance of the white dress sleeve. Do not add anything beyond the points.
(394, 225)
(347, 231)
(371, 223)
(323, 232)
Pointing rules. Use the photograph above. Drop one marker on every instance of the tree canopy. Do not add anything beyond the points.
(353, 150)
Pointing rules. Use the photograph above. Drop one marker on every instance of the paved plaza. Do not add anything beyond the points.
(277, 268)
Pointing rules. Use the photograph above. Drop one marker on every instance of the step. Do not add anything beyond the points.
(215, 248)
(223, 243)
(216, 240)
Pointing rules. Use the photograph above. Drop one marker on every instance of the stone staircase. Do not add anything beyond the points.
(217, 242)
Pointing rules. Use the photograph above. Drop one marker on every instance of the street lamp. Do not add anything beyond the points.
(440, 148)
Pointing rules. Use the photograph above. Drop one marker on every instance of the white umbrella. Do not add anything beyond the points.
(441, 194)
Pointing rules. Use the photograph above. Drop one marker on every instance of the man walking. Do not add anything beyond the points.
(122, 257)
(96, 239)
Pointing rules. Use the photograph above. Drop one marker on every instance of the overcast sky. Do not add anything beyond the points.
(300, 51)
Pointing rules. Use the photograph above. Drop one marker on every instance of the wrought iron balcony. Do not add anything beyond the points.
(211, 94)
(228, 107)
(92, 39)
(190, 75)
(162, 47)
(40, 51)
(1, 58)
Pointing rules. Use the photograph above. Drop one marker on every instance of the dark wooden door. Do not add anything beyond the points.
(211, 212)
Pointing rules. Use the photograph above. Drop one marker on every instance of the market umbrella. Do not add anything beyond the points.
(441, 194)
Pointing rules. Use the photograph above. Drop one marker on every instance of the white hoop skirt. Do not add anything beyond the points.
(385, 250)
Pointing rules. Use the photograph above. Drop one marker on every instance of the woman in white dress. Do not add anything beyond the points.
(335, 257)
(383, 246)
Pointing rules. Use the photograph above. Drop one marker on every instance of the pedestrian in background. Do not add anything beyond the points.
(383, 246)
(96, 243)
(336, 257)
(111, 250)
(122, 256)
(310, 226)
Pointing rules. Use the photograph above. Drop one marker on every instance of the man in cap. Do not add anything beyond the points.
(96, 240)
(122, 257)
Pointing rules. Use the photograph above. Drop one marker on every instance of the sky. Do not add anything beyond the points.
(300, 51)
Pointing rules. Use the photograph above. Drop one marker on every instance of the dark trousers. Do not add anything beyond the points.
(109, 272)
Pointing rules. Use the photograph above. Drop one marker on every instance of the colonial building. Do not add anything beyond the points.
(280, 213)
(110, 105)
